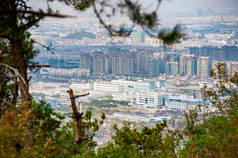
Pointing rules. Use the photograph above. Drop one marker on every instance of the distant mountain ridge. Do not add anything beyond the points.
(80, 35)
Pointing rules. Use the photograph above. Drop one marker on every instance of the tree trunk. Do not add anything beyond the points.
(24, 86)
(77, 115)
(22, 68)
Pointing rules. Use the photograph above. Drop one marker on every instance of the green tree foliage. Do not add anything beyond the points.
(149, 142)
(214, 133)
(107, 102)
(47, 135)
(217, 137)
(15, 43)
(7, 90)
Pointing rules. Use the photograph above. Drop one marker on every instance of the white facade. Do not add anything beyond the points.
(181, 102)
(202, 67)
(107, 87)
(150, 99)
(135, 85)
(81, 87)
(65, 72)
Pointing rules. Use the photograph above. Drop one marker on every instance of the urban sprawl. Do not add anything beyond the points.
(134, 78)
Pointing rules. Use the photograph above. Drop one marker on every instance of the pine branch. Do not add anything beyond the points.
(44, 14)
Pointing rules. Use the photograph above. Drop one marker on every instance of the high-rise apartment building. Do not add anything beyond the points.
(85, 61)
(115, 64)
(152, 68)
(172, 68)
(142, 59)
(98, 63)
(107, 64)
(129, 63)
(187, 65)
(144, 63)
(203, 67)
(123, 63)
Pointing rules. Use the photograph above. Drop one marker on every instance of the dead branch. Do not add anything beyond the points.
(78, 116)
(83, 95)
(39, 65)
(44, 46)
(111, 31)
(22, 82)
(15, 72)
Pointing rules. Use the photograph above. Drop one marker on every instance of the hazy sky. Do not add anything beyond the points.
(167, 6)
(195, 4)
(175, 5)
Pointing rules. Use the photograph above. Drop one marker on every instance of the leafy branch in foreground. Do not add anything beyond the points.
(213, 133)
(48, 135)
(16, 44)
(149, 142)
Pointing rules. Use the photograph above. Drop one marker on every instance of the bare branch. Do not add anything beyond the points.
(15, 71)
(112, 32)
(101, 20)
(46, 47)
(39, 65)
(83, 95)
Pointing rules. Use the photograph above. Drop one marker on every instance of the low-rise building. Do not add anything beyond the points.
(150, 99)
(107, 87)
(181, 102)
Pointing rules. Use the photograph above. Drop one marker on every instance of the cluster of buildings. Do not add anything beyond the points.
(117, 63)
(97, 65)
(211, 36)
(147, 94)
(155, 99)
(138, 63)
(145, 63)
